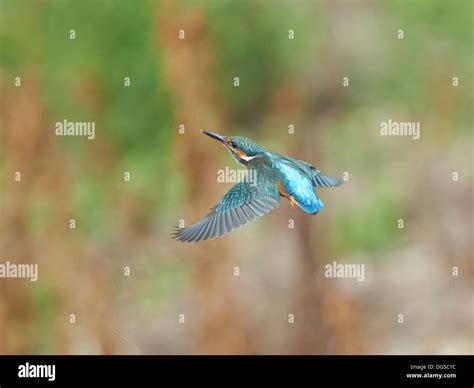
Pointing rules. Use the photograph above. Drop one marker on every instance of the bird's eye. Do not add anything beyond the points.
(233, 145)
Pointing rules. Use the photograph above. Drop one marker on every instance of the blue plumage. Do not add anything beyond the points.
(276, 176)
(298, 185)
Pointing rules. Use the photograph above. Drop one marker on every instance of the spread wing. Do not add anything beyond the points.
(242, 204)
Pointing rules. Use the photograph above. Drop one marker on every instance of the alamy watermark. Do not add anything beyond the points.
(401, 128)
(28, 370)
(335, 270)
(230, 175)
(12, 270)
(75, 128)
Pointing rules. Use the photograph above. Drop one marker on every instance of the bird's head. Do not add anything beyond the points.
(241, 148)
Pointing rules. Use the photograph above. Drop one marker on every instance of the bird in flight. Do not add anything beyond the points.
(274, 176)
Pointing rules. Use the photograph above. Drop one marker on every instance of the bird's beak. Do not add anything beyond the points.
(227, 142)
(216, 136)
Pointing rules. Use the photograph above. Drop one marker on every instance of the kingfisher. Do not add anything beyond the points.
(275, 176)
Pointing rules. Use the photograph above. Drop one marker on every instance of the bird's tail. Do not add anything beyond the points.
(321, 180)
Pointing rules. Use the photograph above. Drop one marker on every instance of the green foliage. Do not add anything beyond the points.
(113, 41)
(371, 227)
(163, 282)
(93, 210)
(249, 45)
(40, 213)
(44, 304)
(453, 19)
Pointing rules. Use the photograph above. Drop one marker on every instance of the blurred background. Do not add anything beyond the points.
(280, 303)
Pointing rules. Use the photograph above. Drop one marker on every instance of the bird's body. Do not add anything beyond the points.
(293, 180)
(275, 176)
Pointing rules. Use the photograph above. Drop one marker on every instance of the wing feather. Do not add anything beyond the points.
(242, 204)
